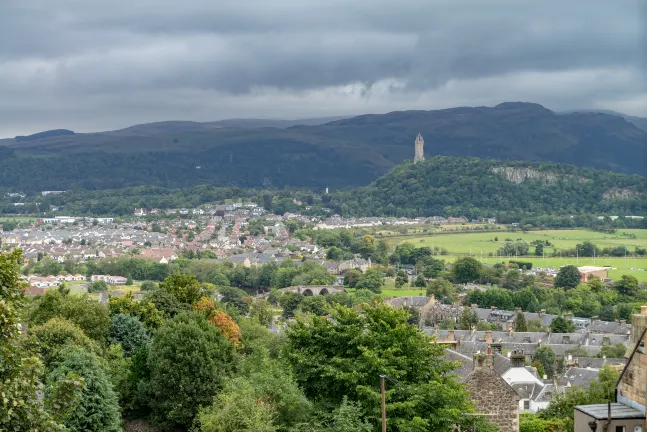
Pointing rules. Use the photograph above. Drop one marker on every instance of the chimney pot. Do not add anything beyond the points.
(643, 310)
(492, 307)
(473, 305)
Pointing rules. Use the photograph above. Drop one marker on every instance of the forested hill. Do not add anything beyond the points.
(342, 153)
(450, 186)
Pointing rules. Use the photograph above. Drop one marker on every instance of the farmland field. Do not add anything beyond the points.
(461, 243)
(480, 244)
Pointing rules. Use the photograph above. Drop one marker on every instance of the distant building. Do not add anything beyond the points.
(420, 149)
(588, 271)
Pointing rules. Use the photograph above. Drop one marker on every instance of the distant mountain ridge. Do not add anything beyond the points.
(44, 134)
(343, 152)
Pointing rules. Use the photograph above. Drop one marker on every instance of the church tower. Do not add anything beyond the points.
(420, 149)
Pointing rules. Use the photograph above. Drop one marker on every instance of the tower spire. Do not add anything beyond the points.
(419, 148)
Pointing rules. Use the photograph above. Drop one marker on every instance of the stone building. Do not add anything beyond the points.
(420, 149)
(628, 412)
(492, 395)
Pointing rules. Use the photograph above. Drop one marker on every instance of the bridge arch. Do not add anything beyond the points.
(307, 292)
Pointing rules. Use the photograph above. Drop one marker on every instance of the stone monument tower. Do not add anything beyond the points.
(420, 149)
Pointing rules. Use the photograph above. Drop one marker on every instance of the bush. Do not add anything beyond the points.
(98, 286)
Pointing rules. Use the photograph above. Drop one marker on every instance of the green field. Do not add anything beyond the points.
(477, 242)
(16, 219)
(480, 244)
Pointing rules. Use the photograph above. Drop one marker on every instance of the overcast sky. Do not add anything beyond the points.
(92, 65)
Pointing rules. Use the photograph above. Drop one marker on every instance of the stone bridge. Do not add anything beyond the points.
(308, 290)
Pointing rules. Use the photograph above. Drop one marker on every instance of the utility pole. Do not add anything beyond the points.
(383, 390)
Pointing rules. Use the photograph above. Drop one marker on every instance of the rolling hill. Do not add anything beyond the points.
(477, 188)
(345, 152)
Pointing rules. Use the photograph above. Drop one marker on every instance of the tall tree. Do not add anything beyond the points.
(466, 269)
(189, 360)
(520, 323)
(21, 408)
(98, 410)
(344, 356)
(568, 277)
(546, 356)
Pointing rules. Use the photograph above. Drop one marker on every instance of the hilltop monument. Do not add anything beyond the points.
(420, 149)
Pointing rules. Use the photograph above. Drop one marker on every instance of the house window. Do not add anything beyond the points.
(620, 429)
(526, 404)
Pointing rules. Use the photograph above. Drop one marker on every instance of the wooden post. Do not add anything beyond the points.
(383, 390)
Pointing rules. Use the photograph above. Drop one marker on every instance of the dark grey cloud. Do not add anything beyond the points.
(101, 64)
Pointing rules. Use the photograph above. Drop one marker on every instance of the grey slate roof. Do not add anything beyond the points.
(466, 363)
(618, 411)
(577, 376)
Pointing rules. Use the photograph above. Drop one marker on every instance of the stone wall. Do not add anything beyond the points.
(633, 386)
(492, 395)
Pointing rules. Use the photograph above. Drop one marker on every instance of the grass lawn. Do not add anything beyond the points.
(477, 242)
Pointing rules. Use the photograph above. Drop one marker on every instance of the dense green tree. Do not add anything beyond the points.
(237, 408)
(165, 302)
(372, 280)
(520, 323)
(468, 319)
(420, 282)
(314, 304)
(21, 408)
(443, 290)
(185, 288)
(58, 336)
(351, 277)
(90, 316)
(627, 285)
(144, 310)
(261, 310)
(546, 356)
(129, 332)
(401, 279)
(290, 301)
(348, 418)
(98, 410)
(613, 351)
(568, 277)
(148, 286)
(466, 269)
(98, 286)
(562, 325)
(234, 297)
(344, 356)
(189, 360)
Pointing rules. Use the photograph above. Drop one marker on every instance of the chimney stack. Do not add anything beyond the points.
(450, 335)
(492, 307)
(484, 362)
(542, 312)
(474, 306)
(488, 336)
(517, 359)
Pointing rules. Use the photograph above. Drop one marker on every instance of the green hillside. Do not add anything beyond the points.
(448, 186)
(346, 152)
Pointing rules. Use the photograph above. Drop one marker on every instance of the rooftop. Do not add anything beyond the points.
(618, 411)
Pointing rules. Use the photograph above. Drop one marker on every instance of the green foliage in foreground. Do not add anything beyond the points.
(189, 360)
(421, 395)
(98, 410)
